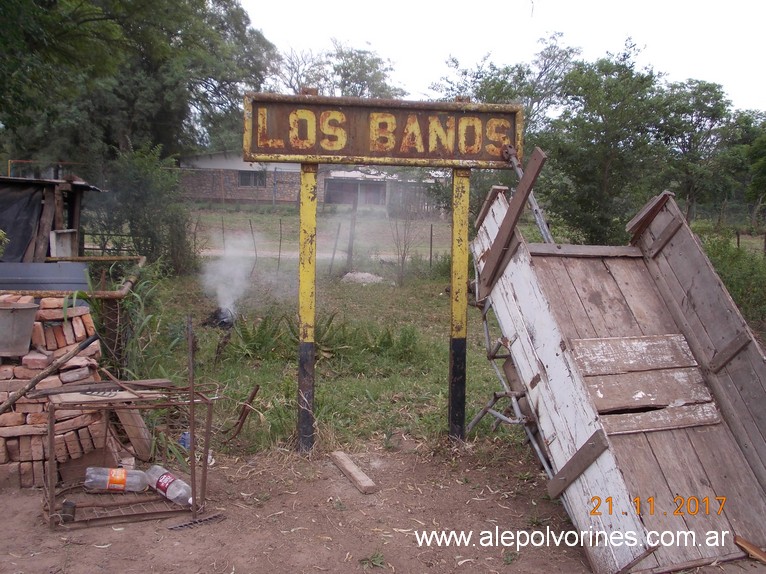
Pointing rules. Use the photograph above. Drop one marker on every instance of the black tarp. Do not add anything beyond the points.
(20, 209)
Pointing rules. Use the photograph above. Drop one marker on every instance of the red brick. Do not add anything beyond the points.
(51, 382)
(22, 372)
(26, 299)
(25, 448)
(36, 360)
(77, 362)
(36, 446)
(12, 419)
(50, 339)
(61, 453)
(38, 334)
(58, 314)
(29, 407)
(6, 372)
(9, 475)
(58, 332)
(25, 475)
(38, 473)
(74, 375)
(3, 452)
(9, 298)
(51, 303)
(85, 439)
(73, 444)
(12, 447)
(68, 332)
(90, 327)
(37, 418)
(79, 329)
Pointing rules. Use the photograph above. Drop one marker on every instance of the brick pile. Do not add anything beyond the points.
(59, 327)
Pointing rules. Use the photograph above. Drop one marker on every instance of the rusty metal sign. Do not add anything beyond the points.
(318, 129)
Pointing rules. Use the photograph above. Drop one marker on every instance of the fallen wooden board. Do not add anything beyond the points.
(363, 483)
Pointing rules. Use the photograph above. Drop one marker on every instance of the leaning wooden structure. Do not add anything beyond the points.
(640, 381)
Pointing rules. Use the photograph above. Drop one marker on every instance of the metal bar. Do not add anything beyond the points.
(52, 466)
(461, 188)
(307, 305)
(191, 343)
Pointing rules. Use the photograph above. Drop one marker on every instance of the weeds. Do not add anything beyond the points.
(374, 561)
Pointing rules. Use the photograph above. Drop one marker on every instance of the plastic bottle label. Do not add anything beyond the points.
(164, 481)
(118, 477)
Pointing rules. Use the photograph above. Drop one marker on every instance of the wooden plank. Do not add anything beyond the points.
(137, 431)
(73, 444)
(729, 351)
(615, 355)
(668, 418)
(494, 191)
(565, 302)
(662, 388)
(644, 218)
(585, 456)
(361, 481)
(601, 297)
(642, 296)
(687, 478)
(492, 265)
(731, 476)
(645, 479)
(664, 237)
(566, 417)
(567, 250)
(44, 228)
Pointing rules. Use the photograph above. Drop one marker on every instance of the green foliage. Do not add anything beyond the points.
(261, 339)
(601, 147)
(145, 202)
(3, 241)
(374, 561)
(742, 271)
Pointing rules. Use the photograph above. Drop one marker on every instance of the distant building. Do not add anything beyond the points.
(224, 177)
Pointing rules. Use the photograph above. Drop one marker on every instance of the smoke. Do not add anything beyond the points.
(227, 278)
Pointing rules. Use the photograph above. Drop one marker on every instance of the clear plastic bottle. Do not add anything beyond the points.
(169, 485)
(115, 479)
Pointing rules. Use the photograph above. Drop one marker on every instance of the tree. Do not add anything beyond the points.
(694, 115)
(143, 195)
(303, 69)
(602, 148)
(361, 73)
(537, 85)
(757, 158)
(178, 71)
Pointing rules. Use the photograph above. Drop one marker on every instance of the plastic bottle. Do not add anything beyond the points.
(115, 479)
(169, 485)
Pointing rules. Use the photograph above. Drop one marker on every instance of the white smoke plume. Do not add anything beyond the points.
(227, 277)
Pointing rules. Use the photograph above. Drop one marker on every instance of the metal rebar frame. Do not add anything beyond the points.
(494, 354)
(127, 507)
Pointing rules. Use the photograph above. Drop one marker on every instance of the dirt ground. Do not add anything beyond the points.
(285, 513)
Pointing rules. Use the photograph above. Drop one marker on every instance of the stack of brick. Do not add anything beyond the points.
(59, 327)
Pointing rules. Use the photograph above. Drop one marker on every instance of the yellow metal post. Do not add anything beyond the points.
(307, 305)
(459, 302)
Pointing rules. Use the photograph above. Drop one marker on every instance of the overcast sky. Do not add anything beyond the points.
(720, 42)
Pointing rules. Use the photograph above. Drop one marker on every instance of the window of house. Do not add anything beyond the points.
(252, 179)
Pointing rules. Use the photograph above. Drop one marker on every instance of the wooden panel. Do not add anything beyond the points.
(567, 250)
(615, 355)
(645, 479)
(488, 201)
(601, 297)
(565, 303)
(662, 419)
(664, 237)
(641, 295)
(725, 355)
(45, 226)
(566, 416)
(731, 476)
(585, 456)
(648, 389)
(687, 477)
(492, 267)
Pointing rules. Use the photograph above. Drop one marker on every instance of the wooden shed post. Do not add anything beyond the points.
(307, 305)
(458, 302)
